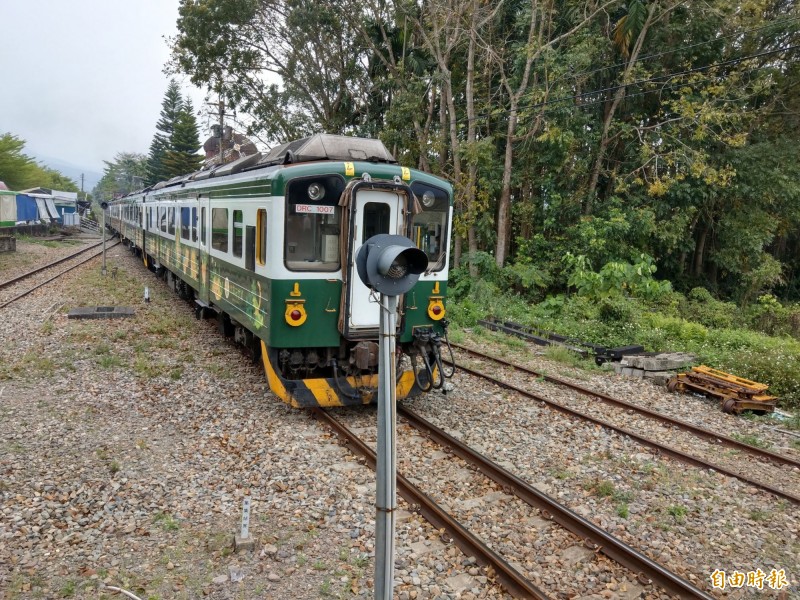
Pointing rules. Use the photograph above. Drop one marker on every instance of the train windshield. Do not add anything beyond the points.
(429, 227)
(312, 238)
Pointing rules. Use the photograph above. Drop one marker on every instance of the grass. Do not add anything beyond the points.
(622, 511)
(568, 357)
(166, 521)
(678, 512)
(68, 589)
(751, 440)
(758, 515)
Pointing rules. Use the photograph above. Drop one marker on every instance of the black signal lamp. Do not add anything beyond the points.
(390, 264)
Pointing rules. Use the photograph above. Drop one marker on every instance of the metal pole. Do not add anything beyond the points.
(386, 466)
(103, 270)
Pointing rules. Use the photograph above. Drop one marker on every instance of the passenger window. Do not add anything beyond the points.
(219, 229)
(162, 218)
(194, 223)
(185, 215)
(238, 233)
(171, 220)
(261, 236)
(203, 226)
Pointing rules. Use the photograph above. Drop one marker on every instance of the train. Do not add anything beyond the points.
(267, 244)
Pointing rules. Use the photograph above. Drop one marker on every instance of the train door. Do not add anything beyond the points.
(204, 218)
(372, 212)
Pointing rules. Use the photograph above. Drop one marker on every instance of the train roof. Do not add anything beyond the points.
(319, 147)
(307, 154)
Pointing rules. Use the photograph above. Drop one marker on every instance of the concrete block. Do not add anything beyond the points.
(241, 544)
(659, 377)
(8, 243)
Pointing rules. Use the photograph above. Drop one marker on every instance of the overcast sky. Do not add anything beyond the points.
(82, 80)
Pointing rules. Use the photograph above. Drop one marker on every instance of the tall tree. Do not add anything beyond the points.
(171, 108)
(181, 157)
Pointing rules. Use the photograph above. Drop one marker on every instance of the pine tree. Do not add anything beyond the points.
(182, 157)
(171, 108)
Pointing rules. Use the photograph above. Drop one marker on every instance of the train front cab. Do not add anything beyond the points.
(314, 226)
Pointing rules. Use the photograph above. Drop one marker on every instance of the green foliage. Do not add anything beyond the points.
(123, 175)
(615, 278)
(19, 171)
(173, 150)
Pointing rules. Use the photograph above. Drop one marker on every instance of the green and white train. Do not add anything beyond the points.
(268, 244)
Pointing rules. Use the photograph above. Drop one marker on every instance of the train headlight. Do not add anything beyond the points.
(295, 314)
(428, 199)
(436, 309)
(316, 191)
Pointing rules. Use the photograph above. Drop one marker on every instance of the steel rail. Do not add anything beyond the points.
(33, 289)
(9, 282)
(660, 448)
(511, 579)
(685, 425)
(594, 537)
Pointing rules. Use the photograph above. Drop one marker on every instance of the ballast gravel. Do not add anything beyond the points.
(127, 447)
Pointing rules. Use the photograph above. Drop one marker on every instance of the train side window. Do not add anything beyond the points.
(261, 236)
(219, 229)
(171, 221)
(162, 218)
(194, 223)
(185, 215)
(203, 226)
(238, 233)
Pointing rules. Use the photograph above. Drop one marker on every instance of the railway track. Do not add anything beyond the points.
(659, 447)
(645, 570)
(7, 288)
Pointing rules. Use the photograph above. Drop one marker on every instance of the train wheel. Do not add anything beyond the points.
(729, 406)
(672, 384)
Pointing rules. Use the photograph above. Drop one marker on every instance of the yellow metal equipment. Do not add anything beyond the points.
(736, 393)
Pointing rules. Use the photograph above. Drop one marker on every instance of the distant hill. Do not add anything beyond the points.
(72, 171)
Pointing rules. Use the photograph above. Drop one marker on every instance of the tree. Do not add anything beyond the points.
(181, 156)
(171, 108)
(19, 171)
(121, 176)
(238, 48)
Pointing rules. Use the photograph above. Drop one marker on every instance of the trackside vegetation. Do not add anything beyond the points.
(623, 303)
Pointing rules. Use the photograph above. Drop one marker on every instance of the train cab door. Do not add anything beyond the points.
(372, 211)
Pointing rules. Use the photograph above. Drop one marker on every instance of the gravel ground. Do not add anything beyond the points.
(30, 255)
(782, 477)
(126, 447)
(693, 521)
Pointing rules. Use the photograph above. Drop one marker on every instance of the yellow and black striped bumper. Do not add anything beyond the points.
(322, 392)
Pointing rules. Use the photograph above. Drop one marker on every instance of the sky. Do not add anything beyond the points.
(82, 80)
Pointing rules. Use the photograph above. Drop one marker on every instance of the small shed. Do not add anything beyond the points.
(8, 208)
